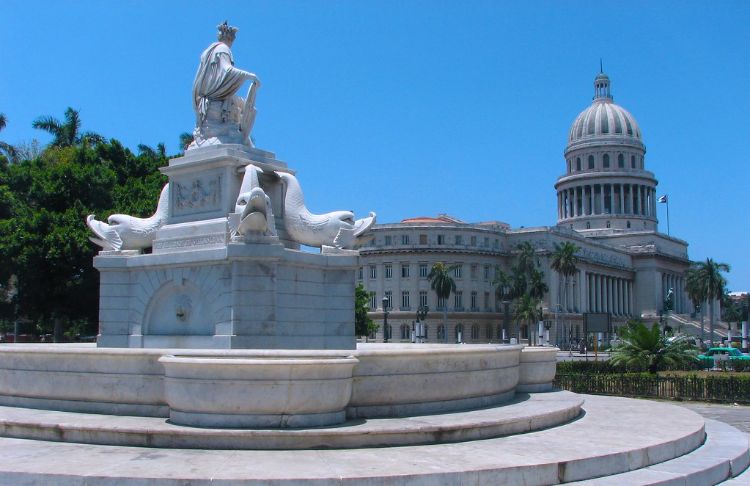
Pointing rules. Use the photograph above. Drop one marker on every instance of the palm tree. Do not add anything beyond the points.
(709, 273)
(8, 149)
(731, 311)
(696, 290)
(644, 348)
(442, 283)
(564, 261)
(527, 311)
(68, 133)
(185, 140)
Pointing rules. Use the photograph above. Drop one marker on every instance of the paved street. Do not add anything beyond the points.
(735, 415)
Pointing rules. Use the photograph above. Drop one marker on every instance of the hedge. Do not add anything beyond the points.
(722, 388)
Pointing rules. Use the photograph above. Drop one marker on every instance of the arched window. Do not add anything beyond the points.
(578, 163)
(441, 333)
(605, 161)
(609, 225)
(621, 161)
(426, 332)
(591, 161)
(628, 224)
(405, 332)
(475, 332)
(632, 161)
(489, 333)
(459, 333)
(588, 225)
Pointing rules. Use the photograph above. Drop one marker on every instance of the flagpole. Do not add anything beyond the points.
(667, 216)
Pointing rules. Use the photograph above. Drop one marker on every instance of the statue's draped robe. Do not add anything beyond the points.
(216, 79)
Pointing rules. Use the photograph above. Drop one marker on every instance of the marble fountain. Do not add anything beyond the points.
(227, 355)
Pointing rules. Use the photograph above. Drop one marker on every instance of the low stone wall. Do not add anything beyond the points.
(238, 388)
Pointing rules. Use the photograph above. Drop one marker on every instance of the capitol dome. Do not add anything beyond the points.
(604, 118)
(606, 187)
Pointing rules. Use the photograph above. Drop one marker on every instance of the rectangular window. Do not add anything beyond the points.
(389, 297)
(388, 270)
(388, 240)
(458, 300)
(441, 240)
(486, 272)
(423, 298)
(405, 300)
(422, 239)
(360, 272)
(474, 271)
(373, 301)
(404, 239)
(459, 240)
(496, 244)
(423, 270)
(473, 241)
(486, 242)
(373, 271)
(458, 271)
(404, 270)
(473, 301)
(486, 301)
(441, 303)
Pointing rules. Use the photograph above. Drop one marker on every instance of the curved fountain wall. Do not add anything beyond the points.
(270, 388)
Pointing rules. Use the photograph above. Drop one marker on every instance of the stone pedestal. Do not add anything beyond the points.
(200, 288)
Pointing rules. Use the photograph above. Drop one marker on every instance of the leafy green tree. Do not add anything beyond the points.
(44, 241)
(363, 325)
(443, 284)
(709, 274)
(67, 133)
(644, 348)
(731, 311)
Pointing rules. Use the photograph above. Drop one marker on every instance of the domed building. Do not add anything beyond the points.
(606, 184)
(606, 207)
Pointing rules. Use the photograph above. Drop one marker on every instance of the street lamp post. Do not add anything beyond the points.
(385, 319)
(422, 311)
(506, 324)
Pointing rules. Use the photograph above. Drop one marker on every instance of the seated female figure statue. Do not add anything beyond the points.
(221, 115)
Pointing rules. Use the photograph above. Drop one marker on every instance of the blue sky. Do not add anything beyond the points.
(415, 108)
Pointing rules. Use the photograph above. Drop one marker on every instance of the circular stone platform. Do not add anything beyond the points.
(614, 436)
(525, 413)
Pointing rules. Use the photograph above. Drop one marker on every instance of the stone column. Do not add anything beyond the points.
(591, 199)
(612, 199)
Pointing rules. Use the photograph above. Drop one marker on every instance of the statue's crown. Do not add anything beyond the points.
(226, 30)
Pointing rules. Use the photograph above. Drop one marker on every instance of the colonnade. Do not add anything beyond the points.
(677, 284)
(609, 294)
(588, 199)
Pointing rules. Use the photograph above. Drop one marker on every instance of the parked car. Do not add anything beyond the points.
(730, 354)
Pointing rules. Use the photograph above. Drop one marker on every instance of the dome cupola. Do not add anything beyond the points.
(606, 187)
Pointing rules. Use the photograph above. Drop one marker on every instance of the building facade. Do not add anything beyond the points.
(606, 205)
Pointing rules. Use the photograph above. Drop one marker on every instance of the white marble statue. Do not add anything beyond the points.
(337, 229)
(253, 211)
(221, 115)
(123, 232)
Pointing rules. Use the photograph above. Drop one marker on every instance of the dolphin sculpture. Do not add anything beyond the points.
(337, 228)
(252, 211)
(123, 232)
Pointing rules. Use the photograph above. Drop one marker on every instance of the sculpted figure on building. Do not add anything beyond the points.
(221, 115)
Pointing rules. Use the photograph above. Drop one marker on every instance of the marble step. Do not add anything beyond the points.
(525, 413)
(724, 454)
(613, 436)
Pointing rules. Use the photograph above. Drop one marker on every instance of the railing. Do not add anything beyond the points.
(711, 388)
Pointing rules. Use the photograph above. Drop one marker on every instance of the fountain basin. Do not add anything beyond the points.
(262, 392)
